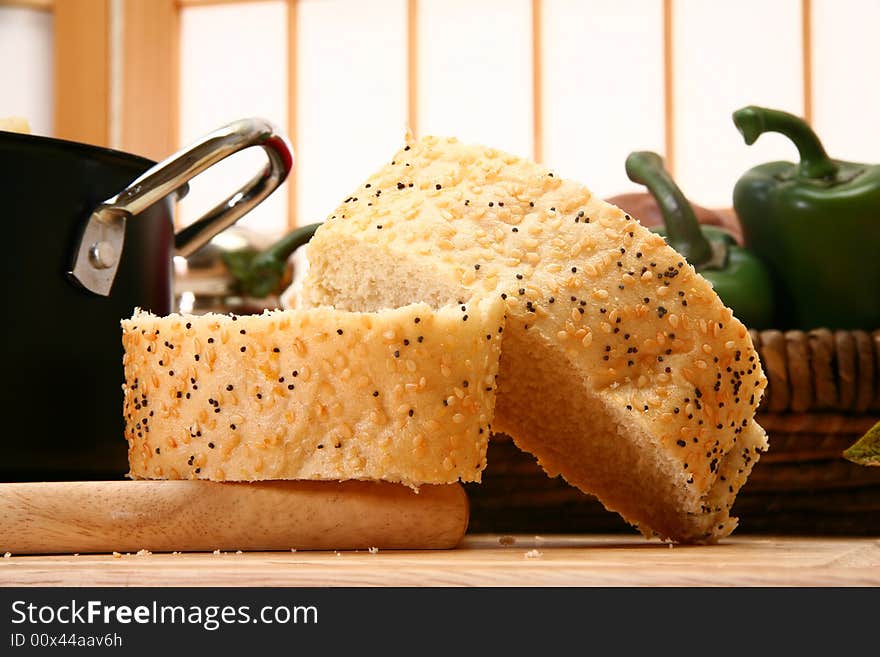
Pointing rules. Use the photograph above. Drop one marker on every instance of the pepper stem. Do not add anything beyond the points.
(281, 249)
(260, 274)
(753, 121)
(682, 229)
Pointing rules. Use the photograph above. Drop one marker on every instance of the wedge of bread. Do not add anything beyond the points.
(405, 395)
(15, 124)
(621, 368)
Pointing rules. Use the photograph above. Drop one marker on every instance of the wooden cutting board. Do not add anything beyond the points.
(484, 560)
(168, 516)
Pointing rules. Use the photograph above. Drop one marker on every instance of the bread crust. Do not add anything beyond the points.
(639, 331)
(405, 395)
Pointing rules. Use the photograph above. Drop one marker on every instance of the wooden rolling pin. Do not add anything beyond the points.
(166, 516)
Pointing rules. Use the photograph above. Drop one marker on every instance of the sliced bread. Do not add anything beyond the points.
(404, 395)
(621, 368)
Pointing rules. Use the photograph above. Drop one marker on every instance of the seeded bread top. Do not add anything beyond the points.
(648, 333)
(405, 395)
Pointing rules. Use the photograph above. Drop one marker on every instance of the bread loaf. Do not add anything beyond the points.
(621, 369)
(404, 396)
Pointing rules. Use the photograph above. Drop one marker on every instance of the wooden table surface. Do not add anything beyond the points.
(483, 560)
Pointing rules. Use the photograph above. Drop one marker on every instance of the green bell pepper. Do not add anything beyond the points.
(259, 273)
(739, 278)
(816, 224)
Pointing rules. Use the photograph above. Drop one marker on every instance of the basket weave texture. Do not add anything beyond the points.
(820, 370)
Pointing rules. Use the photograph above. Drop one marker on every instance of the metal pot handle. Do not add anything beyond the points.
(100, 248)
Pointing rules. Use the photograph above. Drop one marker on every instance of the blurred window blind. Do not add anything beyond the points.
(475, 72)
(577, 83)
(26, 68)
(351, 99)
(846, 91)
(727, 55)
(233, 64)
(602, 87)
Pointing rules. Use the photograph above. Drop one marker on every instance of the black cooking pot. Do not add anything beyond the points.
(76, 264)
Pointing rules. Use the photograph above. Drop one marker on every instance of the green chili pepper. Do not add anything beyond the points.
(816, 224)
(739, 278)
(259, 273)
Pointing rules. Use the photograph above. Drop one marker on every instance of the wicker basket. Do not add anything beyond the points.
(823, 393)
